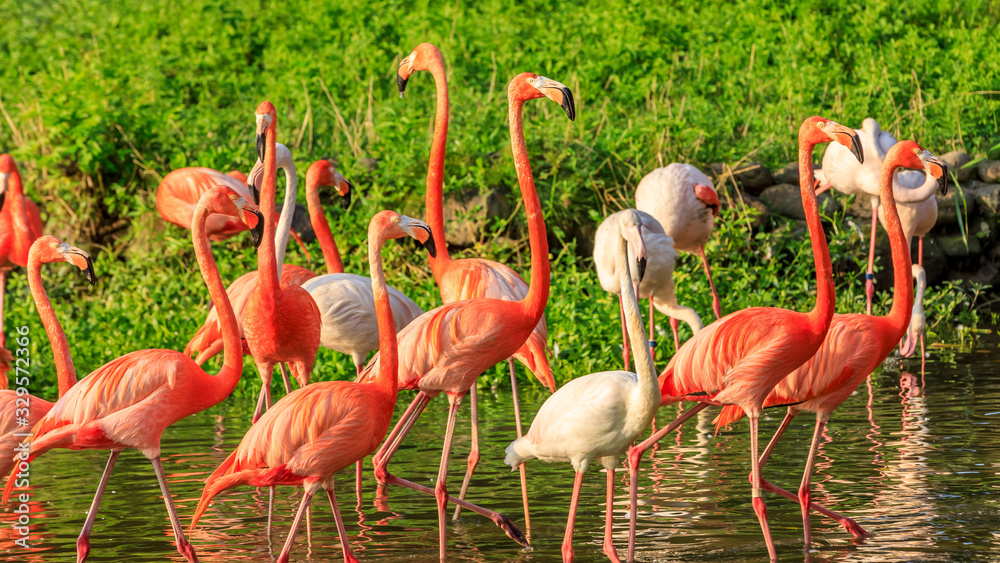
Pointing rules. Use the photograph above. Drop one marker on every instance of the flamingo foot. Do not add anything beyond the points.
(909, 346)
(853, 528)
(611, 552)
(185, 548)
(567, 553)
(508, 527)
(82, 548)
(761, 509)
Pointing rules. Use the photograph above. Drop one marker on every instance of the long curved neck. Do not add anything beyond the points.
(435, 168)
(321, 225)
(266, 261)
(386, 379)
(822, 312)
(644, 367)
(287, 213)
(923, 192)
(65, 371)
(538, 286)
(902, 286)
(232, 363)
(15, 201)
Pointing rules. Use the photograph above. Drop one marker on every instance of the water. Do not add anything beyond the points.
(915, 459)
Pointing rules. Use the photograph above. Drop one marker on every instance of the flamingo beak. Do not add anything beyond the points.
(263, 122)
(257, 232)
(80, 259)
(429, 243)
(635, 239)
(344, 190)
(261, 146)
(89, 271)
(558, 93)
(707, 195)
(939, 170)
(849, 138)
(3, 189)
(403, 74)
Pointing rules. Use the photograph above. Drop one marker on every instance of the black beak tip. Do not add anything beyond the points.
(856, 149)
(3, 196)
(642, 268)
(429, 245)
(400, 84)
(345, 200)
(258, 232)
(943, 182)
(261, 146)
(89, 272)
(254, 193)
(567, 104)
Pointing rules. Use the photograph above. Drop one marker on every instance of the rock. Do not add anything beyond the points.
(955, 247)
(948, 213)
(987, 198)
(300, 222)
(369, 163)
(468, 213)
(789, 174)
(753, 177)
(989, 171)
(860, 208)
(955, 160)
(786, 199)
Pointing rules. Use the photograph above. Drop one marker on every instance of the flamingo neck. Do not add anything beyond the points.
(65, 371)
(538, 285)
(321, 226)
(283, 230)
(921, 193)
(644, 367)
(822, 312)
(266, 261)
(902, 286)
(435, 168)
(386, 379)
(232, 363)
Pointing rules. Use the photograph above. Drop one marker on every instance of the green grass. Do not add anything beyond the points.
(101, 99)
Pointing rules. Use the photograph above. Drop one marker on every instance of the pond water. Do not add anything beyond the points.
(914, 457)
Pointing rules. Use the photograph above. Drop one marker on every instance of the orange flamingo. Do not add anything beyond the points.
(20, 225)
(178, 194)
(445, 349)
(471, 278)
(45, 250)
(739, 358)
(281, 321)
(130, 401)
(207, 342)
(315, 431)
(855, 345)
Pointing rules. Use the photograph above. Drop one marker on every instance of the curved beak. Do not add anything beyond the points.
(261, 146)
(89, 271)
(939, 170)
(254, 180)
(257, 232)
(3, 189)
(263, 122)
(403, 72)
(344, 188)
(80, 259)
(849, 138)
(707, 195)
(429, 243)
(635, 240)
(558, 93)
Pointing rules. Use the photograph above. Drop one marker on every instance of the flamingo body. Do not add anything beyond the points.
(672, 196)
(179, 191)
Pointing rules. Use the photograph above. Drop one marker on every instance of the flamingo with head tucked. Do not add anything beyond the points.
(471, 278)
(739, 358)
(130, 401)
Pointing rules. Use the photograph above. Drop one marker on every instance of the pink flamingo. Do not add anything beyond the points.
(20, 225)
(130, 401)
(281, 321)
(598, 416)
(329, 425)
(855, 345)
(471, 278)
(445, 349)
(738, 359)
(45, 250)
(657, 274)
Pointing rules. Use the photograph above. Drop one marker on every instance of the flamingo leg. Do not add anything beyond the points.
(870, 274)
(183, 546)
(652, 338)
(609, 544)
(755, 493)
(634, 457)
(792, 413)
(716, 303)
(348, 556)
(473, 459)
(83, 542)
(286, 551)
(520, 432)
(270, 508)
(3, 297)
(804, 493)
(309, 527)
(357, 480)
(567, 545)
(440, 487)
(625, 349)
(674, 325)
(850, 526)
(285, 378)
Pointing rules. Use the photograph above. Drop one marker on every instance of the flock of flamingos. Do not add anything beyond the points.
(281, 314)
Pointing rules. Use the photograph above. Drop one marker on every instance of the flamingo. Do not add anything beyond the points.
(130, 401)
(855, 345)
(281, 321)
(913, 191)
(598, 416)
(20, 225)
(739, 358)
(657, 277)
(315, 431)
(445, 349)
(471, 278)
(207, 342)
(45, 250)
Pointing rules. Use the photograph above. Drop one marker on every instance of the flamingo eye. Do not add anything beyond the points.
(916, 152)
(395, 219)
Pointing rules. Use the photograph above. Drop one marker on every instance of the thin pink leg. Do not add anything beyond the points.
(520, 432)
(83, 542)
(348, 556)
(625, 349)
(403, 425)
(285, 377)
(357, 480)
(3, 296)
(923, 351)
(652, 335)
(473, 459)
(287, 550)
(260, 407)
(674, 325)
(567, 545)
(870, 275)
(777, 435)
(820, 188)
(716, 304)
(270, 509)
(440, 487)
(804, 493)
(609, 544)
(183, 546)
(755, 492)
(850, 526)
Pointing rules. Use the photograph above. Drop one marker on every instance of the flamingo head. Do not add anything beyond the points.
(816, 130)
(909, 154)
(708, 196)
(528, 86)
(394, 225)
(420, 59)
(267, 118)
(238, 206)
(630, 226)
(7, 167)
(49, 250)
(324, 173)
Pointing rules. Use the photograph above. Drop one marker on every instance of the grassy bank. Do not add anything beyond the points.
(101, 99)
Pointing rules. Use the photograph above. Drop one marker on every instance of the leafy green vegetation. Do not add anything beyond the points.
(102, 99)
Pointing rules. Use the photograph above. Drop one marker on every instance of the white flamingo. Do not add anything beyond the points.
(598, 416)
(657, 278)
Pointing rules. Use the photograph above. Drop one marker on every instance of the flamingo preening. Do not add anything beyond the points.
(445, 349)
(855, 344)
(471, 278)
(739, 358)
(657, 278)
(281, 321)
(598, 416)
(315, 431)
(130, 401)
(45, 250)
